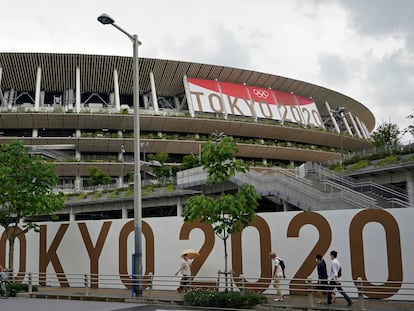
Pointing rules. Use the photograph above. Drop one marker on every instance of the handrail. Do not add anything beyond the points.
(392, 194)
(160, 284)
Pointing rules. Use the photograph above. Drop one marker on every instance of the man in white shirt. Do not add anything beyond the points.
(277, 275)
(334, 281)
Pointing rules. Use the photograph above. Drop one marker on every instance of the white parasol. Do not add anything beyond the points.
(191, 253)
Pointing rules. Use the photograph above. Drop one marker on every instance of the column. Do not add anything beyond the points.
(154, 93)
(37, 90)
(179, 207)
(78, 90)
(72, 216)
(188, 96)
(78, 183)
(410, 187)
(124, 212)
(2, 102)
(116, 91)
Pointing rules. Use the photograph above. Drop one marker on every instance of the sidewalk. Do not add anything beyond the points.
(172, 297)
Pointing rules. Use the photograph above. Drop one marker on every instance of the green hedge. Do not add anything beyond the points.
(210, 298)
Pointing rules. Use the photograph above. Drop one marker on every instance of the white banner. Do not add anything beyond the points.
(237, 99)
(372, 244)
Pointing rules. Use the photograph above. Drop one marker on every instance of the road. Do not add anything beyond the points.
(27, 304)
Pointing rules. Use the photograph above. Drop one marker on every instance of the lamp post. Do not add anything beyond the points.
(107, 20)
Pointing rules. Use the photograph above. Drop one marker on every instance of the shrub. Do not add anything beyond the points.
(359, 165)
(210, 298)
(387, 160)
(20, 287)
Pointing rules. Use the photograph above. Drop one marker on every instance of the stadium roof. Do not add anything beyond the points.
(59, 70)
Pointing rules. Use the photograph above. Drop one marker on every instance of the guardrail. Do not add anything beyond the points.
(153, 285)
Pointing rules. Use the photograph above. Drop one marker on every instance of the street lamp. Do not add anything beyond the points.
(107, 20)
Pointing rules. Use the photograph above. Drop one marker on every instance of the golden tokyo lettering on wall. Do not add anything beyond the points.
(50, 247)
(236, 99)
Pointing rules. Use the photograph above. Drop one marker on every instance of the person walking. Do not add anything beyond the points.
(322, 277)
(278, 273)
(334, 281)
(185, 269)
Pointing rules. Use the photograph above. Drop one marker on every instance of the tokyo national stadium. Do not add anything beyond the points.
(77, 110)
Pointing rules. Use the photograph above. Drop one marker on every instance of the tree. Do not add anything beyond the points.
(98, 177)
(26, 191)
(189, 161)
(162, 170)
(387, 134)
(227, 213)
(410, 128)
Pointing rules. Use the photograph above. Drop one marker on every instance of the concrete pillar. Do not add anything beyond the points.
(78, 182)
(285, 206)
(35, 133)
(2, 101)
(120, 181)
(188, 96)
(72, 216)
(154, 93)
(116, 91)
(37, 90)
(78, 90)
(124, 212)
(410, 187)
(179, 207)
(78, 155)
(354, 125)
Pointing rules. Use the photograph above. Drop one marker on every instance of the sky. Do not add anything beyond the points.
(363, 49)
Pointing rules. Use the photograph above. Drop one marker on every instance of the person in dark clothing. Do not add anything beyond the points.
(322, 277)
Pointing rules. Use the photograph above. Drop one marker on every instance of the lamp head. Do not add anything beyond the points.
(105, 19)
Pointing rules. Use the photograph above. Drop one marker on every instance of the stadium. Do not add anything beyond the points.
(77, 110)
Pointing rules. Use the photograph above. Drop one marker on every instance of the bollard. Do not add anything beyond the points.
(242, 283)
(30, 285)
(360, 294)
(310, 291)
(86, 284)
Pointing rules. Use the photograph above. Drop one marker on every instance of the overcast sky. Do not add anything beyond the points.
(361, 48)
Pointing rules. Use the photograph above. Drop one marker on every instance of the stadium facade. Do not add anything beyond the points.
(78, 111)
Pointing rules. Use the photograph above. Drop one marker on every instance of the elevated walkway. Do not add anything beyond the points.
(310, 188)
(287, 186)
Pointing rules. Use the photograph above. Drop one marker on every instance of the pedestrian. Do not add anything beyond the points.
(278, 273)
(322, 277)
(185, 269)
(334, 279)
(3, 275)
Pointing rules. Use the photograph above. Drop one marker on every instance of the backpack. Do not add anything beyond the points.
(282, 264)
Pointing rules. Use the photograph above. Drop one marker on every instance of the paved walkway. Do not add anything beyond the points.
(172, 297)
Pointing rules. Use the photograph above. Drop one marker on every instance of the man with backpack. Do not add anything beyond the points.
(278, 271)
(334, 282)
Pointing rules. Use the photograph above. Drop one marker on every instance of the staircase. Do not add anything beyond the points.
(285, 185)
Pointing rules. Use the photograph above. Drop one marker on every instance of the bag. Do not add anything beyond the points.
(282, 264)
(340, 272)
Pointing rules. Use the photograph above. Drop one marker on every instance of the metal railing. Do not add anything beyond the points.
(302, 292)
(394, 196)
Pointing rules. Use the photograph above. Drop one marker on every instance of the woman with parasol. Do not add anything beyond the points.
(185, 269)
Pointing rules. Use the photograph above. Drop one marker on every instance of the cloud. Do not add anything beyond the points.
(333, 69)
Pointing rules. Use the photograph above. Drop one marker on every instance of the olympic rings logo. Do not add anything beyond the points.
(261, 93)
